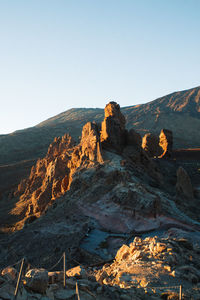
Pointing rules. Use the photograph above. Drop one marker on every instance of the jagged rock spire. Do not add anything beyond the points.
(113, 127)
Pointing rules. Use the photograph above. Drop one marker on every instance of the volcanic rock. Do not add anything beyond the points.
(166, 142)
(113, 127)
(51, 177)
(149, 261)
(48, 179)
(184, 188)
(150, 143)
(37, 280)
(90, 142)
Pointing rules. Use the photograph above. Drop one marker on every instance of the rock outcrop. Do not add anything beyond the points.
(150, 143)
(146, 262)
(184, 188)
(161, 146)
(51, 177)
(48, 179)
(166, 142)
(90, 144)
(113, 127)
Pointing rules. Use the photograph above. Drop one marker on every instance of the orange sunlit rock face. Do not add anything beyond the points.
(51, 177)
(166, 142)
(113, 127)
(160, 147)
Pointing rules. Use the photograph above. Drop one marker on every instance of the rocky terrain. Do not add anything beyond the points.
(150, 268)
(89, 198)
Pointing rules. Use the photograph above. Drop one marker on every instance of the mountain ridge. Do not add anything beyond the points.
(178, 111)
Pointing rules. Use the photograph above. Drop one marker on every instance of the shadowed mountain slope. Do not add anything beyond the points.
(179, 112)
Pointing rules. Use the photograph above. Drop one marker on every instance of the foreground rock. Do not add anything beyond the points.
(150, 268)
(37, 280)
(152, 263)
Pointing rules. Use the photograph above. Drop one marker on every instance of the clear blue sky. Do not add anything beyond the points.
(55, 55)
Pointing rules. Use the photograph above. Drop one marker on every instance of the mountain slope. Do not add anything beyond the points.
(179, 112)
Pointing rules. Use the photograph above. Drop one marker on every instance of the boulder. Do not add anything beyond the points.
(113, 127)
(184, 186)
(37, 280)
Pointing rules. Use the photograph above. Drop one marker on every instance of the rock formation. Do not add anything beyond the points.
(90, 143)
(146, 261)
(51, 176)
(166, 142)
(113, 127)
(184, 188)
(150, 143)
(48, 179)
(161, 146)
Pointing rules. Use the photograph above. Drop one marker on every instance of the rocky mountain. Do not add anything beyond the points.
(87, 199)
(178, 112)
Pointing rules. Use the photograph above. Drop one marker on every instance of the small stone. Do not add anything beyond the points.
(78, 271)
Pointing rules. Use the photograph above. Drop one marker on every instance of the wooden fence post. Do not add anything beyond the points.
(64, 270)
(18, 280)
(180, 293)
(77, 292)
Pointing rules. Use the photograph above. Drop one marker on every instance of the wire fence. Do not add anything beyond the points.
(177, 288)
